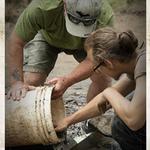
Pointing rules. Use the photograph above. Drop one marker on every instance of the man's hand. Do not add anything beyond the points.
(81, 72)
(60, 86)
(19, 90)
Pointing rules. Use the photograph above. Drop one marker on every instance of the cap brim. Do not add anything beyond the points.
(79, 30)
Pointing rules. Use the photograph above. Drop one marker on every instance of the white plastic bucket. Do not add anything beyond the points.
(30, 120)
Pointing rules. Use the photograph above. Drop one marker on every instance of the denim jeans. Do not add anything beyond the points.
(128, 139)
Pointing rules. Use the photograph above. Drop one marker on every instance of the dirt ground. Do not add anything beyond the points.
(129, 17)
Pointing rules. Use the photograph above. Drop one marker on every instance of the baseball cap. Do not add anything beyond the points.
(81, 16)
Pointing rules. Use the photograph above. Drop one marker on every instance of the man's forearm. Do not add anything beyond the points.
(81, 72)
(15, 66)
(16, 73)
(15, 59)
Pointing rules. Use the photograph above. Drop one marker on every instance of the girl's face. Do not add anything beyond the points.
(112, 68)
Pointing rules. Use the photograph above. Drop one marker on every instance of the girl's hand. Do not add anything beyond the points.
(62, 125)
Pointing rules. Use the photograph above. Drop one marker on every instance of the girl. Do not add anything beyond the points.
(115, 55)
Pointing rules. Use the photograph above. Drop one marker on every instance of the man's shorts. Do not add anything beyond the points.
(39, 56)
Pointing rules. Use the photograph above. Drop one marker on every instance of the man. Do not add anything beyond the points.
(46, 28)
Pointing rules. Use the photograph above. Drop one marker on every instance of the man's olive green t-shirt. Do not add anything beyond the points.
(48, 16)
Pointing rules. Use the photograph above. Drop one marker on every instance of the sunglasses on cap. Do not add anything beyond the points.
(77, 20)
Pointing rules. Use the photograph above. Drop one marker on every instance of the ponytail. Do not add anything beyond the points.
(127, 43)
(107, 43)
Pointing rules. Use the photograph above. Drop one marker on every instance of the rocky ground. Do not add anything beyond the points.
(127, 16)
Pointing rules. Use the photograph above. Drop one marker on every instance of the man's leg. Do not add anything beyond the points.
(99, 83)
(39, 60)
(34, 78)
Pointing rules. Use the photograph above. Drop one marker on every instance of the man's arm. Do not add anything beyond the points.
(81, 72)
(15, 58)
(15, 66)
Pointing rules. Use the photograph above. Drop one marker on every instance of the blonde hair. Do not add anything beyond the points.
(107, 43)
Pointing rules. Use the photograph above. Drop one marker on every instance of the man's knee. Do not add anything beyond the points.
(35, 79)
(100, 80)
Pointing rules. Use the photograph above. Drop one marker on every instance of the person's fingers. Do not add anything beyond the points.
(31, 87)
(58, 129)
(61, 126)
(55, 125)
(58, 86)
(56, 96)
(13, 94)
(56, 93)
(18, 94)
(9, 94)
(58, 89)
(52, 81)
(24, 91)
